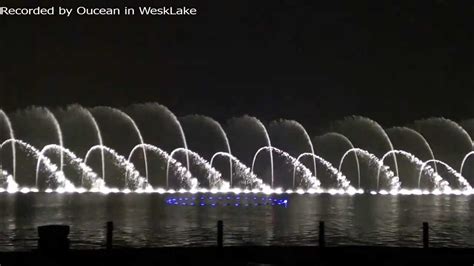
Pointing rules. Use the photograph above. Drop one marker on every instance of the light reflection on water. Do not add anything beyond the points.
(146, 220)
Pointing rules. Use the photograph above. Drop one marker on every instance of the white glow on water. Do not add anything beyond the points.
(237, 190)
(456, 192)
(278, 190)
(80, 190)
(351, 191)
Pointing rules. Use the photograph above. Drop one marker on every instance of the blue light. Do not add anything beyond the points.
(221, 201)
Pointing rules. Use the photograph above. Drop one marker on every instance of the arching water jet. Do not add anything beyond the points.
(56, 175)
(436, 179)
(213, 176)
(11, 134)
(152, 110)
(131, 176)
(248, 176)
(367, 134)
(206, 126)
(437, 130)
(282, 130)
(393, 179)
(181, 171)
(85, 170)
(64, 117)
(250, 121)
(337, 138)
(408, 137)
(307, 175)
(127, 118)
(461, 180)
(341, 179)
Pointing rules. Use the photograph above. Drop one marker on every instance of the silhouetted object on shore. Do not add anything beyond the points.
(322, 241)
(53, 238)
(220, 234)
(426, 236)
(110, 234)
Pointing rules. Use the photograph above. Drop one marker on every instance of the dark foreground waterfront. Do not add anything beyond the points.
(247, 256)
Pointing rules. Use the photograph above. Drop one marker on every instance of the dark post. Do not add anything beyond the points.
(426, 237)
(220, 234)
(110, 234)
(322, 242)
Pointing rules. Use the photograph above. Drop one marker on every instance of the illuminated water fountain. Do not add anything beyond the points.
(374, 163)
(293, 166)
(178, 169)
(242, 175)
(207, 176)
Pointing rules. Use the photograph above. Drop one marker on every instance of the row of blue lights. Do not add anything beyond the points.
(226, 201)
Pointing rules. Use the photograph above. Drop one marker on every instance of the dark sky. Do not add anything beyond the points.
(313, 61)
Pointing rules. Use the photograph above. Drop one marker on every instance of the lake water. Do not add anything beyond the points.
(147, 220)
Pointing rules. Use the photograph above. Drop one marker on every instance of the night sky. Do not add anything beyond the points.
(312, 61)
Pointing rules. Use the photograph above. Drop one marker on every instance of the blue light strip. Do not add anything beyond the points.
(226, 201)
